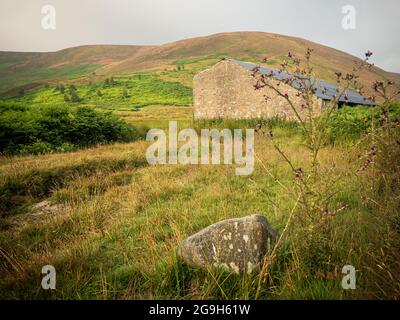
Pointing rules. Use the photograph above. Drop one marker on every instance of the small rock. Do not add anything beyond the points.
(44, 207)
(235, 245)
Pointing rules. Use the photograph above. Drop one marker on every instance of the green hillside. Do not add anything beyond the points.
(17, 69)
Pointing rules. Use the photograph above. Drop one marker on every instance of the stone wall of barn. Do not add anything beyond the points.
(226, 91)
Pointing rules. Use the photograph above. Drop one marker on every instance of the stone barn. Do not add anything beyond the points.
(226, 91)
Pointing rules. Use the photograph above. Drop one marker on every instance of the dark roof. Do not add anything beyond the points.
(324, 90)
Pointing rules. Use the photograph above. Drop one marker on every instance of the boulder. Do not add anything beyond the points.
(235, 245)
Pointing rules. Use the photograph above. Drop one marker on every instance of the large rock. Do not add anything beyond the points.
(236, 245)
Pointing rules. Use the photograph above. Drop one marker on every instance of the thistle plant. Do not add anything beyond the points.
(314, 186)
(313, 122)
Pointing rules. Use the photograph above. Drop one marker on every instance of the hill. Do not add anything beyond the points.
(21, 69)
(75, 198)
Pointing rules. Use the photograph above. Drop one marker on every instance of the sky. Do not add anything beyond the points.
(143, 22)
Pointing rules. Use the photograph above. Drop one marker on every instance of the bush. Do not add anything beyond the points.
(74, 94)
(349, 123)
(75, 97)
(38, 147)
(42, 130)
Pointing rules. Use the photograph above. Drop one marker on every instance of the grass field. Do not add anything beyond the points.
(66, 72)
(110, 223)
(126, 92)
(113, 223)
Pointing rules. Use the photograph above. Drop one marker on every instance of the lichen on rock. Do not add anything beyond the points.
(235, 245)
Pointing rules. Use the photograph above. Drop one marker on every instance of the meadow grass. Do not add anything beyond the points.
(125, 93)
(114, 221)
(66, 72)
(118, 221)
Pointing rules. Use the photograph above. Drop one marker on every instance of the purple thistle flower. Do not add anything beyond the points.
(368, 54)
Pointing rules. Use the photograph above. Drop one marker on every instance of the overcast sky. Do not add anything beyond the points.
(81, 22)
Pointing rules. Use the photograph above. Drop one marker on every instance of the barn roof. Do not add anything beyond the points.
(324, 90)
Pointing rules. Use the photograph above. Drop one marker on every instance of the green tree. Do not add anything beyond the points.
(74, 94)
(75, 97)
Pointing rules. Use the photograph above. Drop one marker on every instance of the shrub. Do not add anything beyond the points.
(75, 97)
(349, 123)
(38, 147)
(42, 130)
